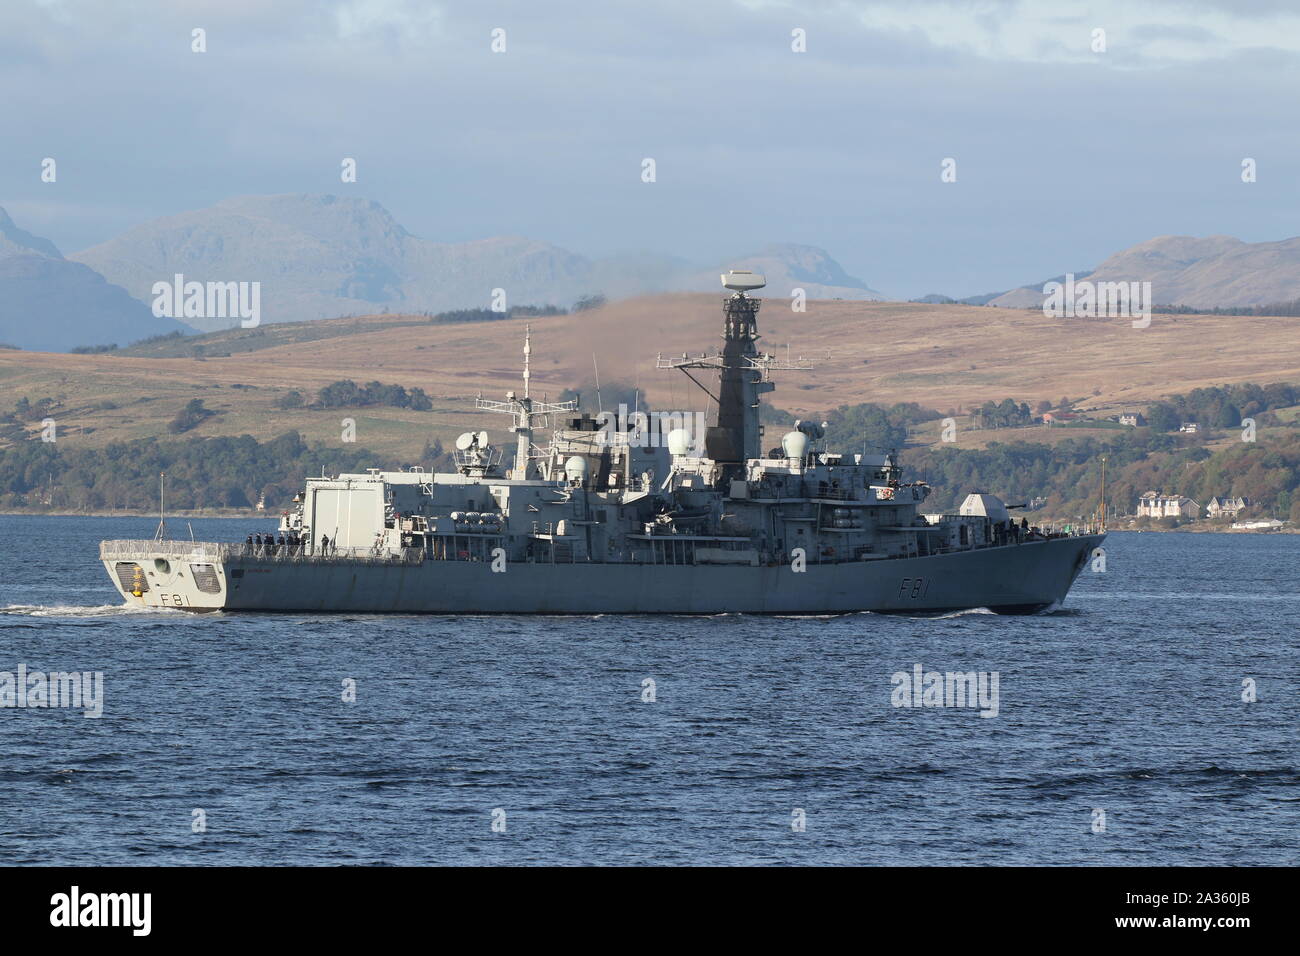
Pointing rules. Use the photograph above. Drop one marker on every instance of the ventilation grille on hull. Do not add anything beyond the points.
(131, 576)
(205, 578)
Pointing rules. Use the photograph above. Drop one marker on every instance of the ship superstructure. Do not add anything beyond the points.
(625, 513)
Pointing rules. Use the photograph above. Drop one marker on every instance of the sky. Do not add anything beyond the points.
(1064, 153)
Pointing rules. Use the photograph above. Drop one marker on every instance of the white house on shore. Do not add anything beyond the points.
(1158, 505)
(1230, 507)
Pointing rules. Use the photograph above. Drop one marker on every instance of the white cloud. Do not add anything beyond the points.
(1146, 33)
(410, 20)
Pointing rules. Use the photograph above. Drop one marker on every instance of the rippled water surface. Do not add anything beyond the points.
(1127, 700)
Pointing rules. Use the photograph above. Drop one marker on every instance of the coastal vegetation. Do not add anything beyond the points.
(346, 393)
(1061, 477)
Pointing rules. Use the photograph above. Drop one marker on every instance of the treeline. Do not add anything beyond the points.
(851, 428)
(491, 315)
(515, 311)
(201, 472)
(346, 393)
(1276, 308)
(1222, 406)
(194, 414)
(112, 347)
(1005, 414)
(25, 410)
(1068, 474)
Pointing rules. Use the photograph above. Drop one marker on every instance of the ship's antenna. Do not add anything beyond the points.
(526, 414)
(599, 405)
(162, 524)
(528, 351)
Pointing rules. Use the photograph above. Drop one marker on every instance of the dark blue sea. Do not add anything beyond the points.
(1128, 700)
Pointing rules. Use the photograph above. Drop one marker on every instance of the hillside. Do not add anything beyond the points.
(946, 357)
(49, 302)
(1216, 271)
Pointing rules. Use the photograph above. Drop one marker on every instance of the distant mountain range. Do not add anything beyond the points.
(1209, 273)
(52, 304)
(320, 256)
(323, 256)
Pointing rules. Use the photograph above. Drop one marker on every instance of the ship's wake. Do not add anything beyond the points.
(1055, 609)
(81, 610)
(966, 612)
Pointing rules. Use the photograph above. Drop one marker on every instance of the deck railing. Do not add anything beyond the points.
(206, 551)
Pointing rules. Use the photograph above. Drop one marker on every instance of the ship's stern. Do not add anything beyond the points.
(166, 574)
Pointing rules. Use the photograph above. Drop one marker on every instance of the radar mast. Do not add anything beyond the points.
(527, 414)
(733, 434)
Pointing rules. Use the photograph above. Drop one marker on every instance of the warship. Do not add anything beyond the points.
(622, 513)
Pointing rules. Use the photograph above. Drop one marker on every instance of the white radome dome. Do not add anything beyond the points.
(679, 442)
(575, 469)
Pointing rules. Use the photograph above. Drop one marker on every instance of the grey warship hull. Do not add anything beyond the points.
(687, 514)
(1014, 578)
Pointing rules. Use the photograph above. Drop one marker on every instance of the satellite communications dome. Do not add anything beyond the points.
(679, 442)
(794, 444)
(575, 469)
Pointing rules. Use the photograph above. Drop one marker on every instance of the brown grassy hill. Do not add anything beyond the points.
(942, 356)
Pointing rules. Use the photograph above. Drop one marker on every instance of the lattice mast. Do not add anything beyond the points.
(527, 415)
